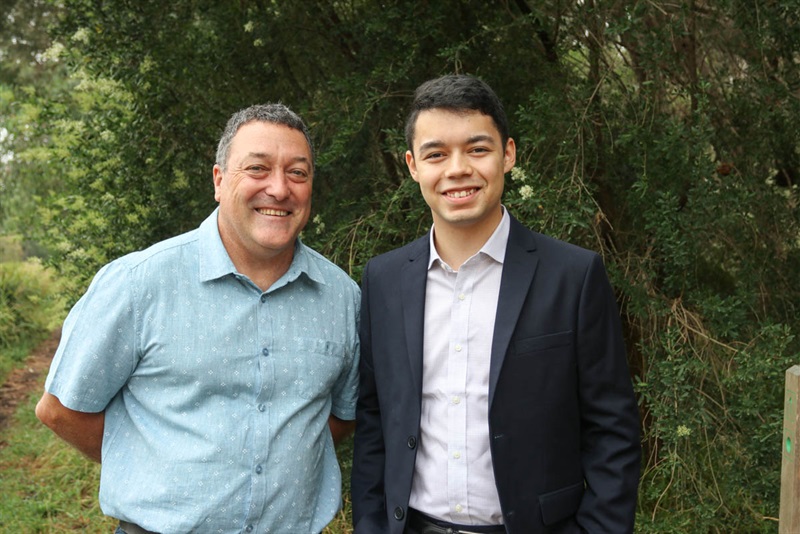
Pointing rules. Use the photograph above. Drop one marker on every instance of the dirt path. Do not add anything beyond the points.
(26, 379)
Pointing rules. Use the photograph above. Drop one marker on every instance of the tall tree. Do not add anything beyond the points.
(29, 80)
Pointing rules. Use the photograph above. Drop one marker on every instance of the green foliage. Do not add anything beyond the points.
(31, 306)
(31, 84)
(661, 134)
(10, 248)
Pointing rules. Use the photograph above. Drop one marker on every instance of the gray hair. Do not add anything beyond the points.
(274, 113)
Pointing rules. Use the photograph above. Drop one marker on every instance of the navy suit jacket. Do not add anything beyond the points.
(563, 420)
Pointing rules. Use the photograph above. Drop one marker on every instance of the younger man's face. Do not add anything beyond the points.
(459, 161)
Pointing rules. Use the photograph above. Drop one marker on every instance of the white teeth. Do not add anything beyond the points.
(279, 213)
(460, 194)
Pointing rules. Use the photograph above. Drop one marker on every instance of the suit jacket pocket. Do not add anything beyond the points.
(561, 504)
(545, 342)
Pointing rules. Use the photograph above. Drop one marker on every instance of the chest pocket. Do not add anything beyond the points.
(315, 366)
(538, 344)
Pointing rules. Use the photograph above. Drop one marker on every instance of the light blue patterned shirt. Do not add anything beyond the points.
(216, 394)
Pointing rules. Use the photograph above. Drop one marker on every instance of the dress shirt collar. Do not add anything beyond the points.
(216, 263)
(495, 246)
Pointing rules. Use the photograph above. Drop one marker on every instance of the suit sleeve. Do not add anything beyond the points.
(610, 440)
(367, 483)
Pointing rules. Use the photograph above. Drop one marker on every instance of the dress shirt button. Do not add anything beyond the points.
(458, 348)
(456, 400)
(457, 455)
(263, 298)
(399, 514)
(412, 442)
(459, 508)
(262, 407)
(461, 296)
(265, 351)
(259, 469)
(249, 528)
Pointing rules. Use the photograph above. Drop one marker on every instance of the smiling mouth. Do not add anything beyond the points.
(461, 194)
(276, 213)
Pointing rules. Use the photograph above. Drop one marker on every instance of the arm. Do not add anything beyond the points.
(610, 441)
(82, 430)
(340, 429)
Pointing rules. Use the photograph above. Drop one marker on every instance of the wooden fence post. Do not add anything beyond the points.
(790, 466)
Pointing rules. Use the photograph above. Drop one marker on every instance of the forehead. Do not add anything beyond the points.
(444, 125)
(269, 138)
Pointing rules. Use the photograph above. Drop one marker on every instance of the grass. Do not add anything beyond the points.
(46, 485)
(12, 357)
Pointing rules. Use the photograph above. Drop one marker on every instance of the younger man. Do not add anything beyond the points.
(494, 392)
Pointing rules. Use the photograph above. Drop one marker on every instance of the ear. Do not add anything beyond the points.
(217, 173)
(510, 155)
(412, 164)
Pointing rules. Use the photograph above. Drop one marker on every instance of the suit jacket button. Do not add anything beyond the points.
(399, 514)
(412, 442)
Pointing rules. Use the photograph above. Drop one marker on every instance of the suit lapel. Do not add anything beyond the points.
(413, 279)
(519, 267)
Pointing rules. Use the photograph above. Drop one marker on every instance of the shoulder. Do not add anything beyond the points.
(136, 267)
(162, 252)
(546, 246)
(331, 273)
(417, 250)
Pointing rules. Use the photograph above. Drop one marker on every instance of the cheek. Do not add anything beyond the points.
(302, 194)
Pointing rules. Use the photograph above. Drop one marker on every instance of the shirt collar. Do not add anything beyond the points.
(495, 246)
(216, 263)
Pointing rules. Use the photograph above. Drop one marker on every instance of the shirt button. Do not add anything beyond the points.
(456, 400)
(462, 296)
(457, 455)
(263, 299)
(265, 351)
(459, 508)
(249, 528)
(259, 469)
(262, 407)
(458, 348)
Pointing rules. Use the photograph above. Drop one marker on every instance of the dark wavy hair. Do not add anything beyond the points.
(457, 93)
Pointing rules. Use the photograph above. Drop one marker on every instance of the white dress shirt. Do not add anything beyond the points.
(453, 476)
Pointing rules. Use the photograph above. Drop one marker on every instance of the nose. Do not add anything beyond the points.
(458, 165)
(277, 185)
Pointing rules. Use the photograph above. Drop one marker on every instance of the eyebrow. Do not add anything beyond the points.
(267, 155)
(479, 138)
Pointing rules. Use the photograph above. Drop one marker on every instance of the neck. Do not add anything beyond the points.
(262, 271)
(266, 273)
(456, 244)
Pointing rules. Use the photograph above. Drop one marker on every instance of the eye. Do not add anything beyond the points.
(433, 155)
(257, 171)
(298, 175)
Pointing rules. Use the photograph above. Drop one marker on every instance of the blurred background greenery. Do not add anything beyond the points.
(660, 133)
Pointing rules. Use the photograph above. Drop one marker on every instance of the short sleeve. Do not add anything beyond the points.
(97, 352)
(345, 390)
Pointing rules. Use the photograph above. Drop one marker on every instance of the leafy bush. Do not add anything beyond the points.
(31, 306)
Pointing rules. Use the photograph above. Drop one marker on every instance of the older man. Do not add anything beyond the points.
(212, 372)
